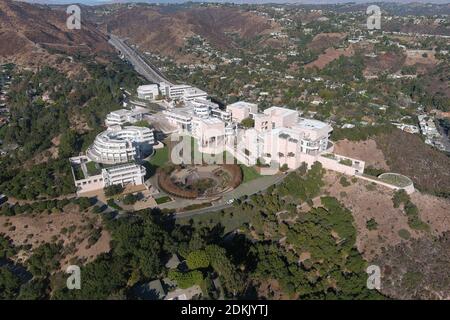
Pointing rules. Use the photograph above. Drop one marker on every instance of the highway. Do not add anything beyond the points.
(145, 68)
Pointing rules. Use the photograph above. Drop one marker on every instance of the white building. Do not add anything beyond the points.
(120, 145)
(241, 110)
(148, 92)
(122, 116)
(182, 92)
(181, 119)
(279, 137)
(124, 174)
(184, 118)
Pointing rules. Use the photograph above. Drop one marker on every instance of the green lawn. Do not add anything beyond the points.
(161, 157)
(92, 169)
(196, 206)
(249, 173)
(78, 172)
(163, 199)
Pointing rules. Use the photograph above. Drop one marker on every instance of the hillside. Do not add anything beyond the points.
(31, 34)
(165, 31)
(404, 153)
(408, 155)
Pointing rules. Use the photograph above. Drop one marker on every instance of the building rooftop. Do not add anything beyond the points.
(184, 294)
(311, 124)
(122, 112)
(242, 104)
(212, 120)
(147, 87)
(279, 111)
(173, 262)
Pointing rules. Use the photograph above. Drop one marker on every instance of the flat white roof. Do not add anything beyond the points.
(259, 115)
(122, 167)
(242, 104)
(211, 120)
(121, 112)
(280, 111)
(312, 124)
(148, 87)
(180, 86)
(185, 112)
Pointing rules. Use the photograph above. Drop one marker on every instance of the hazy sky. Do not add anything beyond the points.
(93, 2)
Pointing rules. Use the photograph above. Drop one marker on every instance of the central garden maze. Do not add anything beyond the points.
(199, 181)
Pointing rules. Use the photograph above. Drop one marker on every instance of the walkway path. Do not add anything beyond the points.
(249, 188)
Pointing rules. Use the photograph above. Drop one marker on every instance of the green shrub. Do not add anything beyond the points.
(197, 259)
(344, 182)
(371, 224)
(113, 190)
(187, 279)
(346, 162)
(404, 234)
(400, 196)
(129, 199)
(372, 171)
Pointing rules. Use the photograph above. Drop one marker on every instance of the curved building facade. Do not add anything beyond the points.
(121, 145)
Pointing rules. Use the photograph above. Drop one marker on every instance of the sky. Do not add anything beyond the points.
(94, 2)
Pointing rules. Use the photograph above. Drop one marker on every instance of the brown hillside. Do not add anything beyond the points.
(27, 32)
(384, 62)
(163, 31)
(409, 155)
(324, 41)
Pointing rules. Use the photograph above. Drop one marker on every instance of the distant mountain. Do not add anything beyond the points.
(29, 34)
(97, 2)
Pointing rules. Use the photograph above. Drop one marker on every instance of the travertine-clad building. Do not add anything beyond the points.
(148, 92)
(280, 137)
(241, 110)
(121, 145)
(182, 92)
(123, 174)
(129, 173)
(123, 116)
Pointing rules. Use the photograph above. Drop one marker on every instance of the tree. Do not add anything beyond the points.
(400, 197)
(129, 199)
(7, 249)
(248, 123)
(371, 224)
(103, 278)
(9, 284)
(197, 259)
(45, 259)
(112, 190)
(68, 144)
(187, 279)
(232, 279)
(35, 289)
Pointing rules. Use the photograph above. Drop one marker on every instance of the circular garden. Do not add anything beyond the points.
(190, 182)
(395, 179)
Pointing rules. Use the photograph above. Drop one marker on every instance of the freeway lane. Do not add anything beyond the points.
(145, 68)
